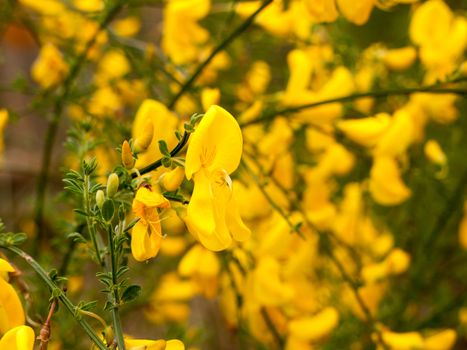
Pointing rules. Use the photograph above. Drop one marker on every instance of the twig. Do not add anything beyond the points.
(158, 162)
(59, 294)
(44, 335)
(226, 42)
(56, 118)
(432, 89)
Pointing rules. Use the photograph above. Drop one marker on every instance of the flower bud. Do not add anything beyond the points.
(143, 140)
(127, 156)
(112, 185)
(172, 180)
(100, 198)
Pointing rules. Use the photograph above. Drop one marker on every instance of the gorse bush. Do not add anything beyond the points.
(236, 175)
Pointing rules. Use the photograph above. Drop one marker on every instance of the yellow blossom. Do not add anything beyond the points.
(386, 186)
(127, 27)
(11, 309)
(49, 68)
(171, 180)
(312, 328)
(146, 235)
(365, 131)
(18, 338)
(356, 11)
(213, 153)
(400, 59)
(3, 123)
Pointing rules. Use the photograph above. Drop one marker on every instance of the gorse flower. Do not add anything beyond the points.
(213, 154)
(146, 235)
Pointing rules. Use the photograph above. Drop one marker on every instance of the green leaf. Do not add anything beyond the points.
(77, 237)
(164, 148)
(87, 305)
(167, 162)
(108, 210)
(131, 293)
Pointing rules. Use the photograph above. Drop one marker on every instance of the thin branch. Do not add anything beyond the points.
(59, 294)
(226, 42)
(432, 89)
(56, 118)
(183, 141)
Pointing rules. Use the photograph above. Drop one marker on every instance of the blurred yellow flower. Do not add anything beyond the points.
(49, 68)
(386, 186)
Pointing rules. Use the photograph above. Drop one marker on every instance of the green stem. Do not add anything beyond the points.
(158, 162)
(226, 42)
(52, 128)
(91, 227)
(118, 330)
(432, 89)
(58, 293)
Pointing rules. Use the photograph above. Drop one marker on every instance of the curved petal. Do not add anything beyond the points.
(145, 240)
(18, 338)
(215, 144)
(206, 214)
(11, 309)
(151, 199)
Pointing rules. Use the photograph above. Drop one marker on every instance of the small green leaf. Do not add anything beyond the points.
(131, 293)
(164, 148)
(77, 237)
(108, 210)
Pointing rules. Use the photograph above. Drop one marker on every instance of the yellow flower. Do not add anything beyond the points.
(365, 131)
(386, 186)
(314, 327)
(140, 344)
(181, 33)
(400, 59)
(322, 10)
(3, 122)
(214, 152)
(11, 309)
(18, 338)
(49, 68)
(89, 5)
(164, 124)
(356, 11)
(146, 235)
(127, 27)
(441, 340)
(403, 341)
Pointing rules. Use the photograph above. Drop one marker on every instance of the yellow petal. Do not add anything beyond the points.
(443, 340)
(239, 230)
(430, 23)
(151, 198)
(398, 136)
(174, 344)
(386, 186)
(215, 144)
(400, 59)
(365, 131)
(5, 266)
(11, 309)
(146, 239)
(145, 344)
(356, 11)
(206, 214)
(403, 341)
(314, 327)
(18, 338)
